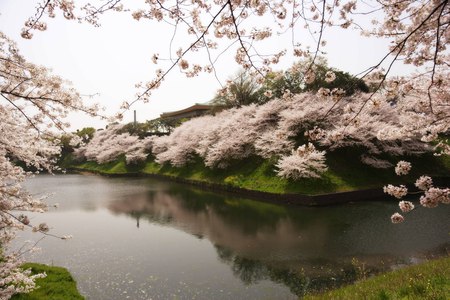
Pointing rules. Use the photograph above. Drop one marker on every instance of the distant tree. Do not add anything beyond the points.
(298, 79)
(159, 126)
(241, 90)
(138, 129)
(342, 80)
(69, 141)
(163, 126)
(65, 142)
(276, 84)
(86, 134)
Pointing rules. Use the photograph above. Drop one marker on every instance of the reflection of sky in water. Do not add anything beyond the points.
(194, 244)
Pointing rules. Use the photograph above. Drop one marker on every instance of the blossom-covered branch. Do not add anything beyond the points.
(32, 101)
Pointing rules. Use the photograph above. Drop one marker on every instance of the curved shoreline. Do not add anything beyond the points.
(373, 194)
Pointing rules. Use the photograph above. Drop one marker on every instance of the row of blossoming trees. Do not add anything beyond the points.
(296, 132)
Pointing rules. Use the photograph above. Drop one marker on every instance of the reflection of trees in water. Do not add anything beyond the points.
(251, 229)
(254, 229)
(250, 232)
(305, 249)
(251, 216)
(299, 283)
(326, 276)
(161, 206)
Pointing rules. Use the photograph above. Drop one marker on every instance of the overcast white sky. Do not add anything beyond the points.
(111, 59)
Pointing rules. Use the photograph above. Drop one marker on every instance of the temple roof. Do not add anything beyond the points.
(194, 108)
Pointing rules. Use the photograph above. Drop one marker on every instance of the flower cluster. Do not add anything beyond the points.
(433, 196)
(402, 168)
(330, 76)
(14, 279)
(305, 162)
(396, 191)
(397, 218)
(406, 206)
(424, 183)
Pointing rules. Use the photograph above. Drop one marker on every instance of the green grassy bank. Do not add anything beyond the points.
(430, 280)
(345, 173)
(58, 285)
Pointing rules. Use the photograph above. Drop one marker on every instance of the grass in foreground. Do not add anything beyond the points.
(430, 280)
(58, 285)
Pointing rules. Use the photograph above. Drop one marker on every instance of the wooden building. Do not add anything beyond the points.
(193, 111)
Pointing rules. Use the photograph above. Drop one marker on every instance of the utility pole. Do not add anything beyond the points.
(134, 118)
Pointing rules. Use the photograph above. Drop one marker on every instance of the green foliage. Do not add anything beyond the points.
(343, 81)
(139, 129)
(58, 285)
(87, 133)
(162, 126)
(293, 80)
(279, 82)
(430, 280)
(243, 90)
(159, 126)
(66, 160)
(347, 171)
(65, 144)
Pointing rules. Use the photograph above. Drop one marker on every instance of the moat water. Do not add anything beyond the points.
(142, 238)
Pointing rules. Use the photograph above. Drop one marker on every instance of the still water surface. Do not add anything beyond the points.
(141, 238)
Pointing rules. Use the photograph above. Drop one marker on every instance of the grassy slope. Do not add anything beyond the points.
(113, 168)
(58, 285)
(430, 280)
(345, 173)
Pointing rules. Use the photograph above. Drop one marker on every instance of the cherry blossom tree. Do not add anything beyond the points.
(418, 31)
(32, 102)
(107, 145)
(294, 124)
